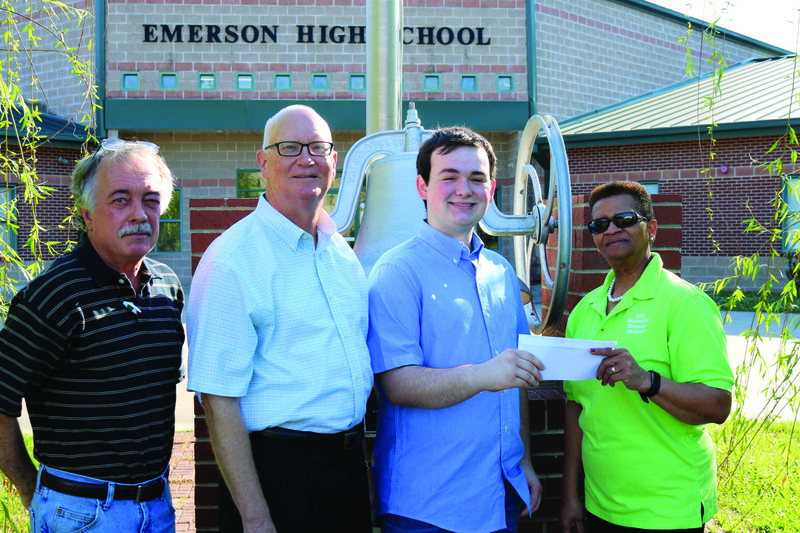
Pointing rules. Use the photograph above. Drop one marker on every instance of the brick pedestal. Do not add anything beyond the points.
(210, 217)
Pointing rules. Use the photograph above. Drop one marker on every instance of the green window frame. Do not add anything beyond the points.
(790, 224)
(469, 83)
(245, 81)
(282, 81)
(206, 81)
(320, 81)
(8, 218)
(168, 81)
(357, 82)
(250, 183)
(129, 81)
(505, 83)
(170, 227)
(651, 186)
(432, 83)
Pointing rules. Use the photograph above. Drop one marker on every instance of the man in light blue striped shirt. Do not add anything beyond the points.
(277, 324)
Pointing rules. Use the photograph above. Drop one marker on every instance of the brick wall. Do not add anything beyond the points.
(733, 194)
(208, 219)
(503, 25)
(56, 86)
(54, 167)
(591, 54)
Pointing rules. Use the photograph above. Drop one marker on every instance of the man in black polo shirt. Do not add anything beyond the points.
(93, 344)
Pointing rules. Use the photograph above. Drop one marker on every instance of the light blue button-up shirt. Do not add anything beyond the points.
(281, 324)
(434, 303)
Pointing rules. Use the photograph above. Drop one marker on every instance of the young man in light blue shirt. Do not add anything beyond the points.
(452, 444)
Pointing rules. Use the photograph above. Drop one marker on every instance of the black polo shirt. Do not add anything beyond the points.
(97, 365)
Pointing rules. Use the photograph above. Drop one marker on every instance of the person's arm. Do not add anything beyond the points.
(231, 444)
(15, 462)
(691, 403)
(571, 505)
(437, 388)
(534, 485)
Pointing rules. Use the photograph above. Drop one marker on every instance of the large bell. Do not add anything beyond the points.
(393, 210)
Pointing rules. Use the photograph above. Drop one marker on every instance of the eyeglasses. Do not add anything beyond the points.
(115, 145)
(293, 149)
(621, 220)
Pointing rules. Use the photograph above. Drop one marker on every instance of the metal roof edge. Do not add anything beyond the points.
(578, 118)
(675, 16)
(660, 135)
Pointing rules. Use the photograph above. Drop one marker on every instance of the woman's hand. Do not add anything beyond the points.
(691, 403)
(572, 515)
(619, 365)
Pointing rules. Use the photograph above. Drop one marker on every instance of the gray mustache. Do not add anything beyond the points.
(144, 227)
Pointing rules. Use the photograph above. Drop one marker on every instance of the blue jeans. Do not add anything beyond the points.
(54, 512)
(391, 523)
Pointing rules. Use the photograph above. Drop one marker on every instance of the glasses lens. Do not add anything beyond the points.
(598, 225)
(115, 145)
(320, 148)
(625, 220)
(621, 220)
(289, 149)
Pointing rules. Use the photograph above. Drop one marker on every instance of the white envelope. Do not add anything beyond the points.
(565, 359)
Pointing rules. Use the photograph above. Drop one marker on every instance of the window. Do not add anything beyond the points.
(283, 81)
(169, 228)
(469, 83)
(168, 81)
(249, 183)
(432, 82)
(505, 83)
(206, 81)
(651, 186)
(8, 232)
(791, 223)
(358, 82)
(320, 82)
(244, 81)
(130, 81)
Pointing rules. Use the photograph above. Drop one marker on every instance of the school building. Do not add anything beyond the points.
(200, 77)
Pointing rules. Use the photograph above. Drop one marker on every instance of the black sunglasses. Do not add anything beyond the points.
(621, 220)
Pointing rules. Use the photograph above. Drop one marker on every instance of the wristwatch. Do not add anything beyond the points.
(655, 386)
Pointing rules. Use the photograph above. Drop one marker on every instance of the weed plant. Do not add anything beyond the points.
(760, 494)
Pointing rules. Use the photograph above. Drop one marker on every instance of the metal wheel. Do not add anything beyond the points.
(559, 192)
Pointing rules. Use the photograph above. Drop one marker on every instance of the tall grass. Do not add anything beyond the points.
(761, 495)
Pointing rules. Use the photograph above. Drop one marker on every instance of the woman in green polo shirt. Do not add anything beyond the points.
(638, 430)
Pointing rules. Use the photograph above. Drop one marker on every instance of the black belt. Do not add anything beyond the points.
(346, 440)
(138, 493)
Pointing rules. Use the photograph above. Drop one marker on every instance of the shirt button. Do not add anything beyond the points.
(455, 261)
(506, 428)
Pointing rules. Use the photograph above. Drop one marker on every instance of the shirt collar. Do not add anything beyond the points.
(453, 249)
(288, 231)
(99, 270)
(644, 289)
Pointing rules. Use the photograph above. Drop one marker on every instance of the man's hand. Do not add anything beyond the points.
(534, 486)
(511, 369)
(15, 461)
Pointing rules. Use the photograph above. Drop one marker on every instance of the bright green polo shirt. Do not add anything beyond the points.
(645, 468)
